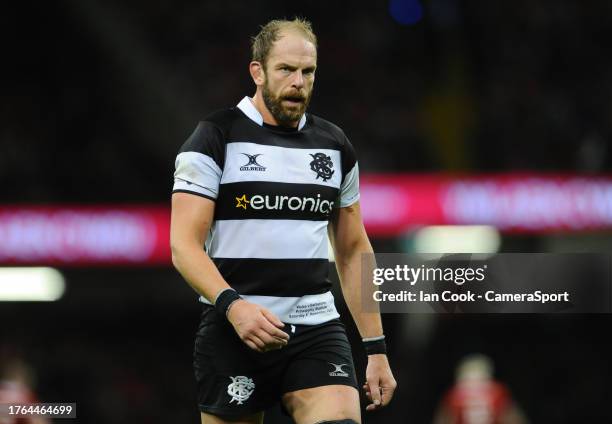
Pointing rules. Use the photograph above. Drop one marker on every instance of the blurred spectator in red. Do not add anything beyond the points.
(16, 382)
(476, 398)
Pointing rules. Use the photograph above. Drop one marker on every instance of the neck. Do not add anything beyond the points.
(267, 116)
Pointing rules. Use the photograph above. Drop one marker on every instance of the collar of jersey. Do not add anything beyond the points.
(247, 107)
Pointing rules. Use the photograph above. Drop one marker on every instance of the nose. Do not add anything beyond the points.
(298, 79)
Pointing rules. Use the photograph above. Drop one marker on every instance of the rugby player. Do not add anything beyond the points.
(261, 185)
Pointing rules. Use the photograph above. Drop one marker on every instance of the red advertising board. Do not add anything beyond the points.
(391, 205)
(81, 235)
(524, 203)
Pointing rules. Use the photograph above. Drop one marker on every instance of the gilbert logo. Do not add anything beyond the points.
(338, 371)
(252, 164)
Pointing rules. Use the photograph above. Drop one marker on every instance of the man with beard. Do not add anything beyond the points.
(266, 183)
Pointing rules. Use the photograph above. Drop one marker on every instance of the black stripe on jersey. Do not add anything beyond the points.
(276, 277)
(195, 193)
(292, 141)
(349, 159)
(207, 139)
(245, 130)
(273, 200)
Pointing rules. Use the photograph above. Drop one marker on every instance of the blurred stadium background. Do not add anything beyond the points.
(463, 112)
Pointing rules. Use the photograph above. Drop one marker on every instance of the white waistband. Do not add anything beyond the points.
(308, 310)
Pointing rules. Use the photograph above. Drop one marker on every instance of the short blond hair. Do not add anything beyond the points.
(262, 43)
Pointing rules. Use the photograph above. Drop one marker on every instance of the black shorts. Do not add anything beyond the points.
(233, 379)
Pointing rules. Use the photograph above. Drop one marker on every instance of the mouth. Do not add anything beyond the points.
(294, 101)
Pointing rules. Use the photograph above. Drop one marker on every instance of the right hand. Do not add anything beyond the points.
(257, 327)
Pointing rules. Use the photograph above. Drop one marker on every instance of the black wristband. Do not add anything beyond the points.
(224, 301)
(375, 345)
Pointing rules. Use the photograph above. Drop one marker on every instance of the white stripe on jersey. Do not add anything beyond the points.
(349, 192)
(282, 164)
(309, 310)
(193, 168)
(268, 239)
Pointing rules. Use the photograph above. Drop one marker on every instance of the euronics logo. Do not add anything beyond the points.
(294, 203)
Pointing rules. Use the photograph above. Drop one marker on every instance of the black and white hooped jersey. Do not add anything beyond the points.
(274, 192)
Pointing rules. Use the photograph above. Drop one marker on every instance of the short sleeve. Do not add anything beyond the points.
(349, 189)
(199, 163)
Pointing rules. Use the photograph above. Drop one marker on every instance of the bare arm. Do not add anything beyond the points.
(190, 222)
(350, 241)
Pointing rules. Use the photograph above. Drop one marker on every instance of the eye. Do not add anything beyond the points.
(284, 69)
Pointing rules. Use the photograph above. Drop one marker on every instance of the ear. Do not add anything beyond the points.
(257, 73)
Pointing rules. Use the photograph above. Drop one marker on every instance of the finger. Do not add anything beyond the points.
(272, 318)
(387, 395)
(274, 331)
(252, 345)
(375, 392)
(372, 407)
(281, 342)
(270, 342)
(368, 392)
(258, 342)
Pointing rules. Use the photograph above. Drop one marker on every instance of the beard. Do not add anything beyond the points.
(285, 115)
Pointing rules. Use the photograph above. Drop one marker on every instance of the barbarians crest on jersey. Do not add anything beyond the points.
(252, 164)
(322, 165)
(240, 389)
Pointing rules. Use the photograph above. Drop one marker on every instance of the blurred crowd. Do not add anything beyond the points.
(100, 95)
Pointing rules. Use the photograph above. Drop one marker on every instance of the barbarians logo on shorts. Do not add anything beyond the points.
(322, 165)
(338, 371)
(240, 389)
(252, 164)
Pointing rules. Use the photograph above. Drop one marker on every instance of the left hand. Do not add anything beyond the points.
(380, 384)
